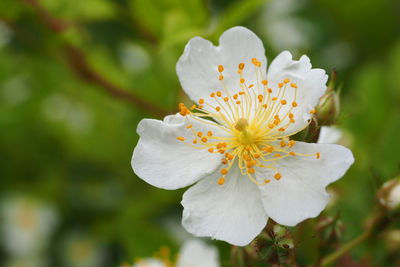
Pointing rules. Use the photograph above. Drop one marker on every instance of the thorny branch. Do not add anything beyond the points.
(76, 59)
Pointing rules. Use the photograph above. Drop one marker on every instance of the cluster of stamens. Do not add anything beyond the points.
(255, 119)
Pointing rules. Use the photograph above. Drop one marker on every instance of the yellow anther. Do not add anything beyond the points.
(218, 109)
(219, 93)
(270, 125)
(280, 85)
(256, 155)
(204, 139)
(220, 77)
(283, 102)
(266, 181)
(249, 164)
(211, 150)
(292, 153)
(265, 105)
(241, 66)
(201, 101)
(317, 155)
(221, 151)
(282, 143)
(226, 99)
(251, 170)
(281, 129)
(256, 62)
(241, 93)
(209, 133)
(221, 181)
(229, 156)
(194, 141)
(313, 111)
(274, 98)
(238, 102)
(189, 126)
(260, 98)
(277, 121)
(224, 144)
(235, 96)
(268, 149)
(264, 82)
(224, 161)
(183, 110)
(291, 115)
(294, 104)
(212, 94)
(193, 107)
(251, 85)
(286, 80)
(242, 80)
(248, 148)
(293, 85)
(276, 117)
(199, 134)
(269, 90)
(292, 121)
(219, 145)
(291, 143)
(200, 107)
(224, 171)
(277, 176)
(220, 68)
(181, 138)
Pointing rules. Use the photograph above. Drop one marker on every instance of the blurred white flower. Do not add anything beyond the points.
(15, 90)
(75, 116)
(194, 253)
(27, 226)
(284, 30)
(389, 194)
(5, 34)
(244, 165)
(26, 262)
(134, 58)
(79, 250)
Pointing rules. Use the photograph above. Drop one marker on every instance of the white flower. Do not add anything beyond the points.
(389, 194)
(194, 253)
(329, 135)
(80, 250)
(27, 226)
(235, 143)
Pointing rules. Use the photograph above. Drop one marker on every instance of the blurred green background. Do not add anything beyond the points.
(77, 76)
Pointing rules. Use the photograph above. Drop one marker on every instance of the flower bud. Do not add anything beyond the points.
(392, 240)
(328, 107)
(389, 194)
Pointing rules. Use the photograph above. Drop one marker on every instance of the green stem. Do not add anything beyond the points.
(345, 248)
(379, 224)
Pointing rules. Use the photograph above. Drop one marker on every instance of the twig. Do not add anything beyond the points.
(379, 224)
(81, 67)
(77, 61)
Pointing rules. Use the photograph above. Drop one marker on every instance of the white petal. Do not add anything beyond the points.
(198, 66)
(196, 253)
(311, 86)
(300, 193)
(163, 161)
(329, 135)
(149, 262)
(231, 212)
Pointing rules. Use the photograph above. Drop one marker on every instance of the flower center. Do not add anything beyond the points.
(255, 120)
(244, 135)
